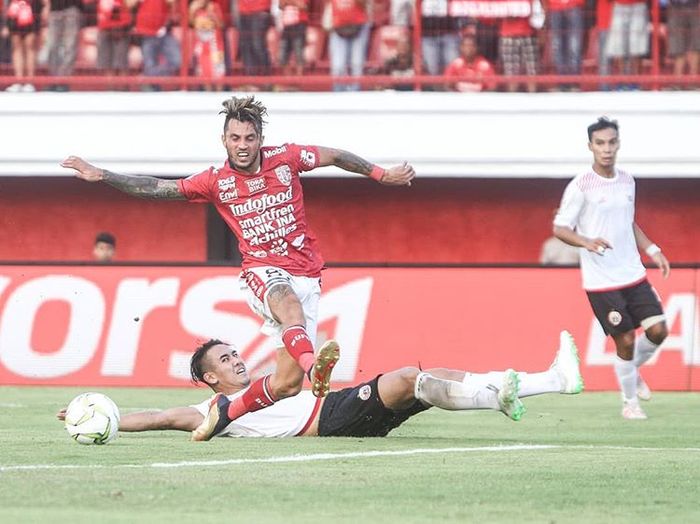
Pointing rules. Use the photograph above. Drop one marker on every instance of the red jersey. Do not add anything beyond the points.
(264, 210)
(348, 12)
(113, 14)
(562, 5)
(477, 75)
(151, 17)
(516, 27)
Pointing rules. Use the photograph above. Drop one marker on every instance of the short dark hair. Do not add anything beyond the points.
(196, 369)
(603, 122)
(244, 109)
(107, 238)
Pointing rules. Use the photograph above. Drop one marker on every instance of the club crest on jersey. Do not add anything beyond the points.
(615, 318)
(255, 185)
(365, 392)
(227, 184)
(284, 174)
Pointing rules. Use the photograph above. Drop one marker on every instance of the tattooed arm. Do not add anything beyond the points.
(140, 186)
(394, 176)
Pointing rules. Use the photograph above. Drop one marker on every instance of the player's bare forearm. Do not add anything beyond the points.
(394, 176)
(568, 235)
(182, 419)
(140, 186)
(344, 160)
(571, 237)
(640, 237)
(144, 186)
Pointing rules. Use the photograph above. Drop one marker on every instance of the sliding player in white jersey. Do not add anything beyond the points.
(597, 215)
(371, 409)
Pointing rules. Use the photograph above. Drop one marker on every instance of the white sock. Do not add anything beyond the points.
(454, 396)
(626, 373)
(530, 383)
(643, 350)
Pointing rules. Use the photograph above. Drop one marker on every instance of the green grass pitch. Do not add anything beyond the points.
(571, 459)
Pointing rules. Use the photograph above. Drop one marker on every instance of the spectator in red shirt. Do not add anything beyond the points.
(518, 50)
(566, 26)
(160, 49)
(472, 72)
(113, 35)
(628, 39)
(22, 21)
(348, 40)
(294, 17)
(207, 21)
(254, 19)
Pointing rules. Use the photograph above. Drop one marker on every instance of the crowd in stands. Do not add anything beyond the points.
(466, 45)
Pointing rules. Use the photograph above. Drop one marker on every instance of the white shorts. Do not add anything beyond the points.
(256, 284)
(629, 31)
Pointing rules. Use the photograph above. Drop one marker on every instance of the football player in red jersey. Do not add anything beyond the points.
(258, 193)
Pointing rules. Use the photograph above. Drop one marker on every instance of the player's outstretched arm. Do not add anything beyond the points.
(652, 250)
(394, 176)
(140, 186)
(571, 237)
(183, 419)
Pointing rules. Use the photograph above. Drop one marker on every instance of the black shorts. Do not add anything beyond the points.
(359, 412)
(624, 309)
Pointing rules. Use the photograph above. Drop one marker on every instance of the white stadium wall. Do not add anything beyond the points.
(442, 134)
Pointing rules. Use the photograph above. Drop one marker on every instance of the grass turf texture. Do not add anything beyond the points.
(592, 472)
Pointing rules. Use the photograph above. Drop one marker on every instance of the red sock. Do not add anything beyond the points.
(256, 397)
(299, 345)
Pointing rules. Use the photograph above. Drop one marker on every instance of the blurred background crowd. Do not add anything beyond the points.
(462, 45)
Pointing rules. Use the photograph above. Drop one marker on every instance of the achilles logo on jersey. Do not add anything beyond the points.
(284, 174)
(256, 185)
(261, 204)
(275, 151)
(227, 183)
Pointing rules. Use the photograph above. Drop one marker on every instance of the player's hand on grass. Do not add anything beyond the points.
(61, 415)
(83, 169)
(398, 175)
(597, 245)
(662, 263)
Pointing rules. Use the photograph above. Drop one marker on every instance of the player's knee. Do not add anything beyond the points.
(408, 377)
(624, 343)
(657, 333)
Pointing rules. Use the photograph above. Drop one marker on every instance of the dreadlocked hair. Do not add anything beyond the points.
(196, 368)
(244, 109)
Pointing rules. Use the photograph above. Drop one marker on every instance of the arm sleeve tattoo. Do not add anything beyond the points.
(351, 162)
(144, 186)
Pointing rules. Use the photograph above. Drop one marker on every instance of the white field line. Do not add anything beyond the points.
(332, 456)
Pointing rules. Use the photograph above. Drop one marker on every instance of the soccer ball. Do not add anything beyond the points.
(92, 418)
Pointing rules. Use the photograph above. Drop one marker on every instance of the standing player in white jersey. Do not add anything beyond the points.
(258, 193)
(597, 215)
(370, 409)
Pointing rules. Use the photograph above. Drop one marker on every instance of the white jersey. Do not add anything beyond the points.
(599, 207)
(286, 418)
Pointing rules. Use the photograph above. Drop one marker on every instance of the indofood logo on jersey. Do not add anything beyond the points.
(261, 204)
